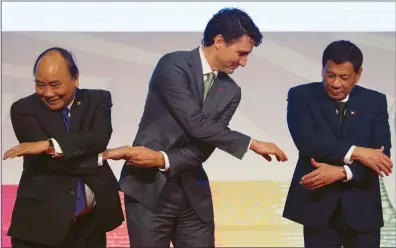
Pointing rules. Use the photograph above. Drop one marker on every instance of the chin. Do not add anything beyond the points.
(229, 70)
(337, 97)
(54, 107)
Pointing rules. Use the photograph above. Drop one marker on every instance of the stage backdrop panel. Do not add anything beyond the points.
(248, 194)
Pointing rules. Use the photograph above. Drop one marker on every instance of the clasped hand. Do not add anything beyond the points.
(138, 156)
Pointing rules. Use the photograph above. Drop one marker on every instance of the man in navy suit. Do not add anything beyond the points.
(342, 133)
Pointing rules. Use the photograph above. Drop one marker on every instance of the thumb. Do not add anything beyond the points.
(382, 148)
(314, 163)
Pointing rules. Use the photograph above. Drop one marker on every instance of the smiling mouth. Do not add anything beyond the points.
(51, 101)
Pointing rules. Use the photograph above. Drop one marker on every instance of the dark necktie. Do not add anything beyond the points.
(81, 199)
(341, 106)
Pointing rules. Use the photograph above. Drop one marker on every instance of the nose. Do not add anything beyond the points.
(243, 61)
(49, 92)
(337, 83)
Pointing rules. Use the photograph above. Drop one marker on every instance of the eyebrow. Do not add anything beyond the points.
(51, 82)
(244, 52)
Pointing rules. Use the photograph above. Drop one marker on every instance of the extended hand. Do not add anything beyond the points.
(374, 159)
(325, 174)
(27, 148)
(141, 156)
(117, 153)
(266, 149)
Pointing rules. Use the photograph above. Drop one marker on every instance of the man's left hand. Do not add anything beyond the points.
(27, 148)
(325, 174)
(141, 156)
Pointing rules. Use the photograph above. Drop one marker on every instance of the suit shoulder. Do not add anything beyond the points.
(305, 88)
(24, 102)
(175, 56)
(97, 93)
(369, 93)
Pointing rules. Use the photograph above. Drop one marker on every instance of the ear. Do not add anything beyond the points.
(358, 74)
(76, 82)
(219, 41)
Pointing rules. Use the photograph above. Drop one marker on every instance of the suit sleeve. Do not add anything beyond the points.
(197, 152)
(381, 136)
(94, 141)
(28, 129)
(172, 87)
(309, 141)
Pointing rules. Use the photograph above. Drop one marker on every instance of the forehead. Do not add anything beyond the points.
(344, 68)
(245, 43)
(52, 65)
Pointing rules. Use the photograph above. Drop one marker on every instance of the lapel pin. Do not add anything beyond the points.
(78, 103)
(353, 113)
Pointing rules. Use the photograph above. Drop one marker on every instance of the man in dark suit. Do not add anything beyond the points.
(342, 133)
(190, 102)
(67, 195)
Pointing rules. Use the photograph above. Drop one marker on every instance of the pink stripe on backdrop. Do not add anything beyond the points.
(116, 238)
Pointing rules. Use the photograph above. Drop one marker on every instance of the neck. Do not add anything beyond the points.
(210, 56)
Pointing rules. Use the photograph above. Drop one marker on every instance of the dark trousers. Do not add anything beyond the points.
(338, 234)
(81, 234)
(174, 221)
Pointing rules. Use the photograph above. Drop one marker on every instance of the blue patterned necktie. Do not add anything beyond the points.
(81, 199)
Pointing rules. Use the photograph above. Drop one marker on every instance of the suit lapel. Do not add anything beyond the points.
(330, 112)
(76, 111)
(52, 120)
(351, 114)
(196, 66)
(215, 96)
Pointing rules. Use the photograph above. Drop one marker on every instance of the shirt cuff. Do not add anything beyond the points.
(347, 158)
(349, 174)
(249, 145)
(100, 159)
(167, 164)
(58, 149)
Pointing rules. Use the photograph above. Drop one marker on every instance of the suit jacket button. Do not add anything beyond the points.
(72, 192)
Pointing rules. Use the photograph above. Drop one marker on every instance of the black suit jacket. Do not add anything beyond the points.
(46, 196)
(177, 121)
(314, 127)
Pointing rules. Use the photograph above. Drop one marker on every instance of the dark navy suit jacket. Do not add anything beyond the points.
(316, 132)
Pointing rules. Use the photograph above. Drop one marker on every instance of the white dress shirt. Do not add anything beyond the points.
(347, 158)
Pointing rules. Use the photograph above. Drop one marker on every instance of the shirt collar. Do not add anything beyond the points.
(205, 65)
(345, 99)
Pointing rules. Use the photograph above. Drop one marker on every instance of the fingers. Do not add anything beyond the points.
(319, 185)
(311, 175)
(311, 181)
(378, 171)
(388, 162)
(280, 154)
(267, 157)
(383, 167)
(13, 152)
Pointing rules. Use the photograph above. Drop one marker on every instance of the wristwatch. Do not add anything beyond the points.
(345, 173)
(51, 148)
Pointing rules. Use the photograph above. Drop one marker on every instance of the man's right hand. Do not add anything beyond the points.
(374, 159)
(266, 149)
(117, 153)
